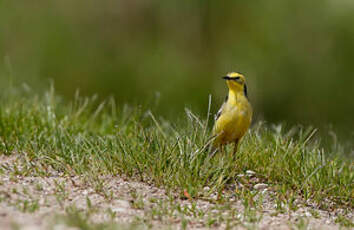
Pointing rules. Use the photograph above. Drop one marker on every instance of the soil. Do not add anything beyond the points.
(35, 203)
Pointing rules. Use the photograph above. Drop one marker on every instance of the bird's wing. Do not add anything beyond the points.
(218, 114)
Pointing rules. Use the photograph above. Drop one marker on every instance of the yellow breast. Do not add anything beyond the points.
(234, 120)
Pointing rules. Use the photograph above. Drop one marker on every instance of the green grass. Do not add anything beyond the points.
(92, 139)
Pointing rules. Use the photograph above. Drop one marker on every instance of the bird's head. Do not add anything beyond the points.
(236, 82)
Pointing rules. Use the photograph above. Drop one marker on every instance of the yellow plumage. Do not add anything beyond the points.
(235, 115)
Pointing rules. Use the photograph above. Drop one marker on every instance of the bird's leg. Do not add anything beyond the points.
(223, 148)
(235, 146)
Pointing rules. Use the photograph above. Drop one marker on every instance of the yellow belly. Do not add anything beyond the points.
(232, 124)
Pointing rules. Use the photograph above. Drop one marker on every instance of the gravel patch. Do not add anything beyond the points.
(33, 203)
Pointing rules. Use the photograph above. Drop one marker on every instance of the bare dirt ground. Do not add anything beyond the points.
(35, 202)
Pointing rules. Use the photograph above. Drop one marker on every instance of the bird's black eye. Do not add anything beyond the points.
(236, 78)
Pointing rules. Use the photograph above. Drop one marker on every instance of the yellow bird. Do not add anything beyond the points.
(235, 115)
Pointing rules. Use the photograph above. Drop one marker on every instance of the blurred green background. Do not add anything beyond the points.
(298, 56)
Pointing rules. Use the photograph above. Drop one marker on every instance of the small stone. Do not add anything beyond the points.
(250, 172)
(206, 189)
(260, 186)
(121, 206)
(122, 203)
(119, 209)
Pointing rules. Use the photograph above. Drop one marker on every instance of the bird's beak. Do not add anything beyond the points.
(226, 78)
